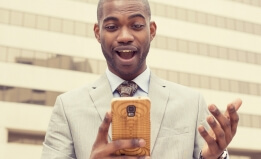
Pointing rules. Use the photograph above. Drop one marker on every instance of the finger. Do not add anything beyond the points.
(102, 136)
(218, 131)
(223, 122)
(231, 112)
(237, 103)
(125, 144)
(234, 118)
(211, 142)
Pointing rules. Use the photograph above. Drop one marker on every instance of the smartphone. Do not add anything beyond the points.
(131, 119)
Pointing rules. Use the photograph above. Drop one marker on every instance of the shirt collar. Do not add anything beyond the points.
(142, 80)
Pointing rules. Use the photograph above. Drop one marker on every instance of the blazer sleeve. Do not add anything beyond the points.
(58, 142)
(202, 115)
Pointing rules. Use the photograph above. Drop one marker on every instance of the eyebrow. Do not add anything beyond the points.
(136, 15)
(110, 18)
(116, 19)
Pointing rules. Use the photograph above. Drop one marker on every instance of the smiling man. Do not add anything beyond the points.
(181, 124)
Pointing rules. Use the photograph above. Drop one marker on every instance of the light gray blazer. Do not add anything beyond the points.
(176, 112)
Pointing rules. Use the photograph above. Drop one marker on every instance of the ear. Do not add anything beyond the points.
(153, 29)
(96, 30)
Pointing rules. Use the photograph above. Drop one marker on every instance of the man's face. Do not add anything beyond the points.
(125, 33)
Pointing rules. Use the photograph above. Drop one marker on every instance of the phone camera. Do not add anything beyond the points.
(131, 109)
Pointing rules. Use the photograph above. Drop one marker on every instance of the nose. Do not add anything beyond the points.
(125, 36)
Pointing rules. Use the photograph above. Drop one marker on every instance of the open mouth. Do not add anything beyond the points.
(126, 54)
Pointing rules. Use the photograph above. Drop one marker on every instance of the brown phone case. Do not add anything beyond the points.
(128, 123)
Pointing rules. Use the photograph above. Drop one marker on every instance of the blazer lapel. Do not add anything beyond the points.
(101, 95)
(158, 94)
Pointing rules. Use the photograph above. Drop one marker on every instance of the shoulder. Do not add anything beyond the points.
(83, 92)
(180, 93)
(180, 88)
(174, 87)
(75, 95)
(184, 97)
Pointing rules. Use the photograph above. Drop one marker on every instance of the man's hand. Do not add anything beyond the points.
(223, 129)
(102, 149)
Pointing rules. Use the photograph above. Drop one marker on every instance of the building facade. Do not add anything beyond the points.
(48, 47)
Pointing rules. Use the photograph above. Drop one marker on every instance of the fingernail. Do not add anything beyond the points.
(231, 107)
(212, 108)
(142, 142)
(107, 117)
(211, 120)
(201, 129)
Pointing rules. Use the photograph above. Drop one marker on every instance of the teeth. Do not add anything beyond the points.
(126, 51)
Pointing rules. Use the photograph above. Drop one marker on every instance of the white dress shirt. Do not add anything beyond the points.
(142, 81)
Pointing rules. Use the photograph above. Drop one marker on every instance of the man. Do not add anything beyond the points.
(179, 116)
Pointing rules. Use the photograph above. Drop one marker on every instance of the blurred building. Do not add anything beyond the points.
(48, 47)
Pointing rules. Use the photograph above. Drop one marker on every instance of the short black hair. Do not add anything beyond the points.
(100, 7)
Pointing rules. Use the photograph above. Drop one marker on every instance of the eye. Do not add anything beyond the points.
(138, 26)
(111, 27)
